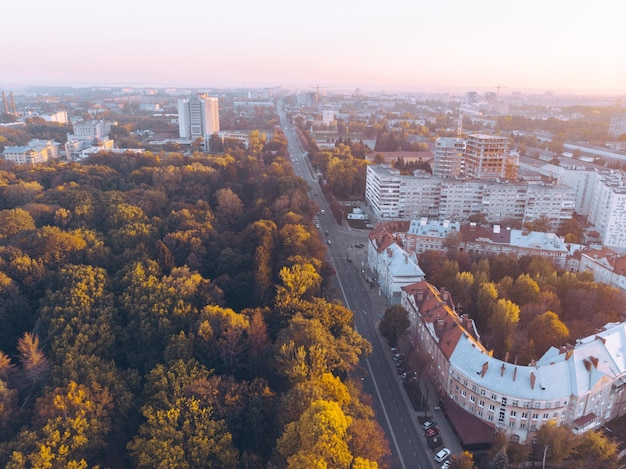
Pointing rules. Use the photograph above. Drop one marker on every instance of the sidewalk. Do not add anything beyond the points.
(428, 388)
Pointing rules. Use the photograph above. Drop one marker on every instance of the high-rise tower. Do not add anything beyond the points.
(198, 116)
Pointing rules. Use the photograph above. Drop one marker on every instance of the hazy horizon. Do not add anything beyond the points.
(562, 47)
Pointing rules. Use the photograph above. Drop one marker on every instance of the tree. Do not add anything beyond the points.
(502, 324)
(394, 323)
(182, 436)
(547, 330)
(70, 427)
(318, 437)
(14, 221)
(555, 441)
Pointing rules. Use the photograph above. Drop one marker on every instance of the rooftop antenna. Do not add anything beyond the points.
(498, 91)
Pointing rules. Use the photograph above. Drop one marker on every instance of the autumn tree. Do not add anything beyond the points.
(394, 323)
(547, 331)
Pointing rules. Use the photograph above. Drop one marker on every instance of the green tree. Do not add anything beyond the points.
(394, 323)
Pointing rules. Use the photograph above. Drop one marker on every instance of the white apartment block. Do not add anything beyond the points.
(556, 203)
(577, 385)
(37, 151)
(448, 161)
(392, 195)
(198, 117)
(91, 130)
(607, 211)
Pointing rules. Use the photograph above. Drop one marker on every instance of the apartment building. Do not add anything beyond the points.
(432, 235)
(607, 211)
(448, 160)
(577, 385)
(392, 195)
(37, 151)
(198, 117)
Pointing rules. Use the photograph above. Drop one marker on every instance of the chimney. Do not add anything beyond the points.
(484, 370)
(502, 368)
(514, 373)
(532, 380)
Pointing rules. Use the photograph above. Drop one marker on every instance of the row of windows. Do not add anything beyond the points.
(503, 400)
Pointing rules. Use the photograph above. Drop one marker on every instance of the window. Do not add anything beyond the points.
(482, 392)
(524, 415)
(535, 416)
(522, 426)
(463, 393)
(504, 401)
(490, 417)
(515, 403)
(492, 407)
(494, 397)
(474, 388)
(481, 403)
(513, 413)
(472, 399)
(545, 416)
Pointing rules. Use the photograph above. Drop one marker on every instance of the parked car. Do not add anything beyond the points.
(432, 431)
(445, 465)
(442, 455)
(329, 242)
(428, 424)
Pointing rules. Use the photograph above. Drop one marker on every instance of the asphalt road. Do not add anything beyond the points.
(380, 380)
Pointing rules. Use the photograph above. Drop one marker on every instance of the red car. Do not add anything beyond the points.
(432, 431)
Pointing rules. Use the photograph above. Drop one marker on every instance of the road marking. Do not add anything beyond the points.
(380, 398)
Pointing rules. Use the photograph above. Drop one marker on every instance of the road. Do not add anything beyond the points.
(393, 410)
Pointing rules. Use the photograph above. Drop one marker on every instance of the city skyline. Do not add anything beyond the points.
(557, 46)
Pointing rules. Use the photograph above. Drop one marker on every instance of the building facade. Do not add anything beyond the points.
(392, 195)
(198, 117)
(486, 156)
(577, 385)
(448, 161)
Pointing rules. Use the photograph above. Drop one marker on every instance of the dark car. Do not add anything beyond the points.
(432, 431)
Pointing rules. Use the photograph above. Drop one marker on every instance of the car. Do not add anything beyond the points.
(317, 225)
(398, 356)
(349, 259)
(428, 424)
(442, 455)
(432, 431)
(445, 465)
(326, 233)
(329, 242)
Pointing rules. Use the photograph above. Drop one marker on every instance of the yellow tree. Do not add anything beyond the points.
(318, 436)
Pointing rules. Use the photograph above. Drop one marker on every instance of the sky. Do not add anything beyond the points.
(391, 45)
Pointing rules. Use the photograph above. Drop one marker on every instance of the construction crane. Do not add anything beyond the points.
(459, 129)
(498, 91)
(12, 102)
(317, 92)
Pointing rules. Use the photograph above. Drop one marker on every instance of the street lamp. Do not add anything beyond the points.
(545, 450)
